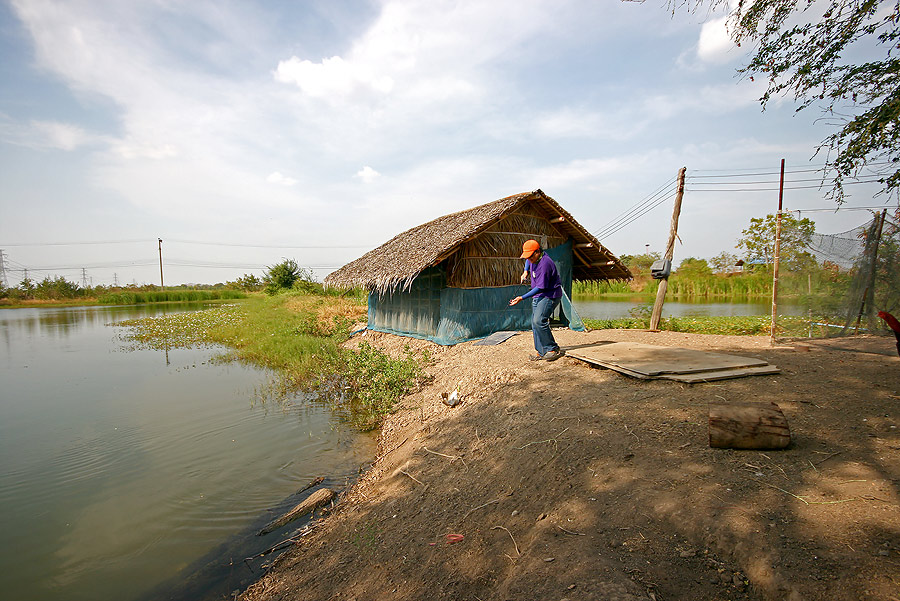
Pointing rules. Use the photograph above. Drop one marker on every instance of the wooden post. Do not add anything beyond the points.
(777, 257)
(161, 285)
(747, 426)
(870, 292)
(670, 251)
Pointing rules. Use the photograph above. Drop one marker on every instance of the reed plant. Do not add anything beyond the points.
(137, 297)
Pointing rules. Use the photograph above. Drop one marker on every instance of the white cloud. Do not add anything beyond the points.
(367, 174)
(715, 45)
(47, 135)
(332, 77)
(63, 136)
(278, 178)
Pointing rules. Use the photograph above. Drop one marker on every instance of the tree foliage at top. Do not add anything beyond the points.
(758, 240)
(812, 48)
(694, 267)
(288, 275)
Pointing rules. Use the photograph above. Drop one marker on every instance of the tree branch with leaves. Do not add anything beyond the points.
(814, 50)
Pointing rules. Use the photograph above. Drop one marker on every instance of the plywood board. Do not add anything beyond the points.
(651, 360)
(723, 374)
(647, 361)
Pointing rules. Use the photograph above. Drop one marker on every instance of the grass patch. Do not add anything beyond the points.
(749, 325)
(299, 336)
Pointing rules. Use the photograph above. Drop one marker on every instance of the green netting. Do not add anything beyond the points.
(836, 284)
(433, 311)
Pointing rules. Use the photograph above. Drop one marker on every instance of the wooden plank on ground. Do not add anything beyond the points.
(722, 374)
(651, 360)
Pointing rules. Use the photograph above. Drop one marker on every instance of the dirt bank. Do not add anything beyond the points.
(572, 482)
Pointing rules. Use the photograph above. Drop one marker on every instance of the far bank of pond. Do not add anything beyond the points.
(622, 306)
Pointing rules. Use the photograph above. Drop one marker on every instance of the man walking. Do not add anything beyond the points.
(545, 294)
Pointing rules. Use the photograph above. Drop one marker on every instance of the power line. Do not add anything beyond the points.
(814, 167)
(792, 181)
(265, 245)
(639, 215)
(75, 243)
(817, 187)
(629, 215)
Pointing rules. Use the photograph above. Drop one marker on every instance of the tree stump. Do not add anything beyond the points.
(309, 504)
(747, 426)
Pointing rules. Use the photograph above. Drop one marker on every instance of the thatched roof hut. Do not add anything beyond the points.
(481, 247)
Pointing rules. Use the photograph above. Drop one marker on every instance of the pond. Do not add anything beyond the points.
(124, 470)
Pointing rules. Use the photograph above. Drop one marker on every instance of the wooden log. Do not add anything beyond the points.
(308, 505)
(747, 426)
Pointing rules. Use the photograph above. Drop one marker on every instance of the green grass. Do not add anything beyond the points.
(751, 325)
(299, 336)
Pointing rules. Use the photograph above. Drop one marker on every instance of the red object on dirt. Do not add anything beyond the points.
(894, 324)
(891, 320)
(454, 538)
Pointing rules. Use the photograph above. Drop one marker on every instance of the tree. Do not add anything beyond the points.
(694, 267)
(281, 276)
(812, 49)
(758, 240)
(723, 261)
(248, 282)
(640, 263)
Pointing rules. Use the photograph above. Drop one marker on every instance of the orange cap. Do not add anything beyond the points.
(529, 248)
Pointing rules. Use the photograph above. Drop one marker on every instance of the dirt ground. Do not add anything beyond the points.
(568, 481)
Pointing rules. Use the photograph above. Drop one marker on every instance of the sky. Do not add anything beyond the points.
(243, 133)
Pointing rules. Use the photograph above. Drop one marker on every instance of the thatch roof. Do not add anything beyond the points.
(397, 262)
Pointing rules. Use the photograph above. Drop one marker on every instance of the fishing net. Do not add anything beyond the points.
(836, 283)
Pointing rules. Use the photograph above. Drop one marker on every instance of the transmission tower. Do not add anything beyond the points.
(4, 283)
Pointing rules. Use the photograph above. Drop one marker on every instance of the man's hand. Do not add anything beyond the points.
(515, 301)
(524, 277)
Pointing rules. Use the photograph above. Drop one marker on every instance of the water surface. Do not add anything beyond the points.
(119, 468)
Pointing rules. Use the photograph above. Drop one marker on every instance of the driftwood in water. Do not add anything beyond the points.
(309, 504)
(747, 426)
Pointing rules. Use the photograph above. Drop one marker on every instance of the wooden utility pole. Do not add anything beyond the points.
(777, 257)
(161, 285)
(670, 251)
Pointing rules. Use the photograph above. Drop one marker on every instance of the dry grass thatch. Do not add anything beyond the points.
(481, 246)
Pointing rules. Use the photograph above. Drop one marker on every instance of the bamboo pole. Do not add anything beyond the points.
(670, 251)
(777, 257)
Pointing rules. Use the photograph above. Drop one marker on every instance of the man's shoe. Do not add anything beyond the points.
(537, 357)
(554, 355)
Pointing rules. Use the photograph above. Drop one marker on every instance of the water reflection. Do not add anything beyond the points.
(119, 469)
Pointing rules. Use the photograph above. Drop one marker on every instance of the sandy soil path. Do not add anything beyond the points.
(572, 482)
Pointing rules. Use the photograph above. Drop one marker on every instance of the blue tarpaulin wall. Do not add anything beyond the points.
(432, 310)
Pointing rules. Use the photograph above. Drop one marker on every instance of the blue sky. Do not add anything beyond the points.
(242, 133)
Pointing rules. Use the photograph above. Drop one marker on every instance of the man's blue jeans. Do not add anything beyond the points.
(541, 310)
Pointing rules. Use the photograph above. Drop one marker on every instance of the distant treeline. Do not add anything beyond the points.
(59, 289)
(128, 297)
(757, 283)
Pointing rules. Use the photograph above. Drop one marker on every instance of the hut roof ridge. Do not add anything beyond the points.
(397, 262)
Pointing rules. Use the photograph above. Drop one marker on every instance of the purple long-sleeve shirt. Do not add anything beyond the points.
(545, 280)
